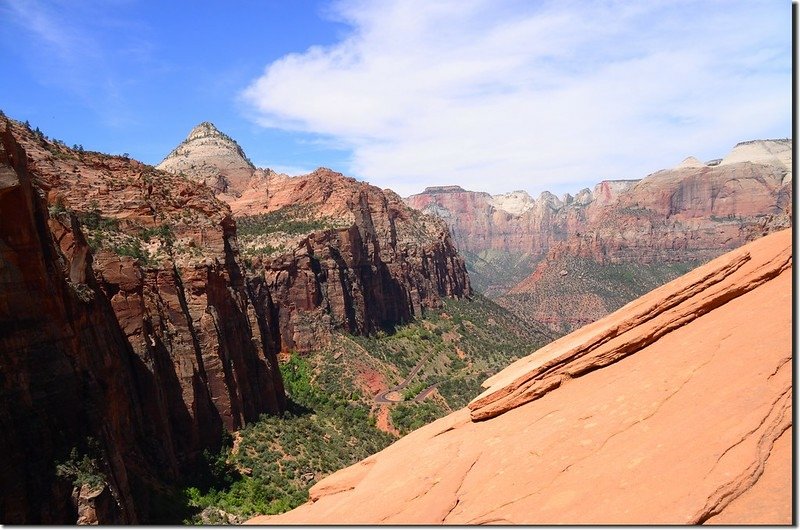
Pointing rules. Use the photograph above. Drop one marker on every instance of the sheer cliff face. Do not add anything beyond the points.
(380, 264)
(674, 409)
(67, 372)
(513, 222)
(354, 257)
(131, 323)
(504, 236)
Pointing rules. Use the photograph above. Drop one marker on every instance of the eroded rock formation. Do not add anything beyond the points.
(379, 263)
(212, 157)
(675, 409)
(663, 225)
(130, 321)
(504, 236)
(566, 262)
(335, 252)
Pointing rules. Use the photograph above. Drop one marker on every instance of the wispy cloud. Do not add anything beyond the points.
(532, 95)
(80, 47)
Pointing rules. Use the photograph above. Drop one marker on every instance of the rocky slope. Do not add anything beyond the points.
(672, 410)
(130, 321)
(338, 253)
(665, 224)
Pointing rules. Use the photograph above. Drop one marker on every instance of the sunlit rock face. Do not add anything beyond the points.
(567, 261)
(212, 157)
(333, 252)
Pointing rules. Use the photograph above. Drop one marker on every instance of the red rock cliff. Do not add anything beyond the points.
(151, 343)
(672, 218)
(359, 260)
(693, 212)
(381, 263)
(504, 236)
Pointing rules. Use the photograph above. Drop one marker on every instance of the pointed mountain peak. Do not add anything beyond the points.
(209, 155)
(205, 129)
(690, 162)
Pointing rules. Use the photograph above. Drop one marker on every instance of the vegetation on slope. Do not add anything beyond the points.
(124, 238)
(331, 423)
(277, 459)
(588, 290)
(271, 233)
(442, 358)
(495, 272)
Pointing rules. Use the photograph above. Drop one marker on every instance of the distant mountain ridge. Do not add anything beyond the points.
(669, 222)
(503, 236)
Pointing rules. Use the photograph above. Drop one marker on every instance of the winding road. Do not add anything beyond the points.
(383, 397)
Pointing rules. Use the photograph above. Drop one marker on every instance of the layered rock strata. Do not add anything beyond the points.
(131, 322)
(664, 224)
(212, 157)
(673, 410)
(504, 236)
(379, 263)
(566, 262)
(334, 252)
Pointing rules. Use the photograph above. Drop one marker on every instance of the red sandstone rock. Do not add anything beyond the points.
(153, 359)
(676, 409)
(379, 263)
(384, 265)
(689, 214)
(676, 216)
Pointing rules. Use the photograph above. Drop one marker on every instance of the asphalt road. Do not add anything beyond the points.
(383, 396)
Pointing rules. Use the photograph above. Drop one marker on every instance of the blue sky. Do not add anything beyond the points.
(495, 95)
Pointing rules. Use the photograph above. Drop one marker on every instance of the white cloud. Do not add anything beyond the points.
(499, 96)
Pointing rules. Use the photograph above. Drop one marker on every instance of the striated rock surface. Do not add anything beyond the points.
(212, 157)
(673, 410)
(366, 261)
(130, 322)
(659, 228)
(335, 252)
(770, 152)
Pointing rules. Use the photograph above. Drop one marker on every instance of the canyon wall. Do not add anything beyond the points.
(566, 262)
(664, 225)
(133, 329)
(140, 327)
(503, 236)
(334, 252)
